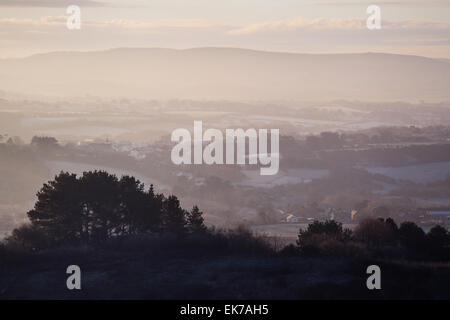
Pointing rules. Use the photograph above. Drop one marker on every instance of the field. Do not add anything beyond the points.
(421, 173)
(290, 176)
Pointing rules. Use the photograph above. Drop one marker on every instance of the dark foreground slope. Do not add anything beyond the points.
(171, 268)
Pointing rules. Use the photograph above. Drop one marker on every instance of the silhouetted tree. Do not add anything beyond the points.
(28, 237)
(58, 209)
(439, 242)
(44, 142)
(195, 220)
(98, 206)
(141, 210)
(132, 208)
(375, 232)
(102, 207)
(439, 236)
(411, 236)
(392, 225)
(174, 217)
(152, 218)
(329, 229)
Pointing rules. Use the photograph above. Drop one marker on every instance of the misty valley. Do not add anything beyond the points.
(381, 164)
(224, 174)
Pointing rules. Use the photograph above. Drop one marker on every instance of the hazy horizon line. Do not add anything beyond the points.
(222, 48)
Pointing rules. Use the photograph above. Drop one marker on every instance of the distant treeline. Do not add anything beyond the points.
(328, 150)
(374, 238)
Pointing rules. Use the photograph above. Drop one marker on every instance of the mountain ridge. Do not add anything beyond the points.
(228, 73)
(218, 48)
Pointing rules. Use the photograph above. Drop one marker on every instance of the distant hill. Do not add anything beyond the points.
(227, 73)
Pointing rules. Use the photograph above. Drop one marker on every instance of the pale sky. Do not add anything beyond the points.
(418, 27)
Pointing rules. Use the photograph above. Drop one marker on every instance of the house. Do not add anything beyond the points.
(292, 219)
(353, 215)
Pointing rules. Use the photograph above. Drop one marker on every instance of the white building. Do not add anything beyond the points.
(292, 219)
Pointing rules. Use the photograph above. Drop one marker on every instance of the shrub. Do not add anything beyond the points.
(438, 240)
(209, 242)
(438, 236)
(375, 232)
(28, 237)
(289, 250)
(412, 236)
(315, 238)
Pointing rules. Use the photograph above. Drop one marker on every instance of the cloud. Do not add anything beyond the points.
(444, 3)
(296, 24)
(41, 22)
(126, 24)
(23, 36)
(171, 23)
(51, 3)
(286, 26)
(300, 23)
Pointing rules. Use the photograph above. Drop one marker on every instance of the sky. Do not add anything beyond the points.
(416, 27)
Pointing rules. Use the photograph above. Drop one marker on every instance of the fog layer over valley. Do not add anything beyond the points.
(336, 157)
(362, 135)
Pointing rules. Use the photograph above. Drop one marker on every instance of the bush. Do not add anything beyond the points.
(210, 242)
(28, 237)
(438, 239)
(2, 252)
(321, 235)
(241, 240)
(329, 228)
(289, 250)
(412, 236)
(375, 232)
